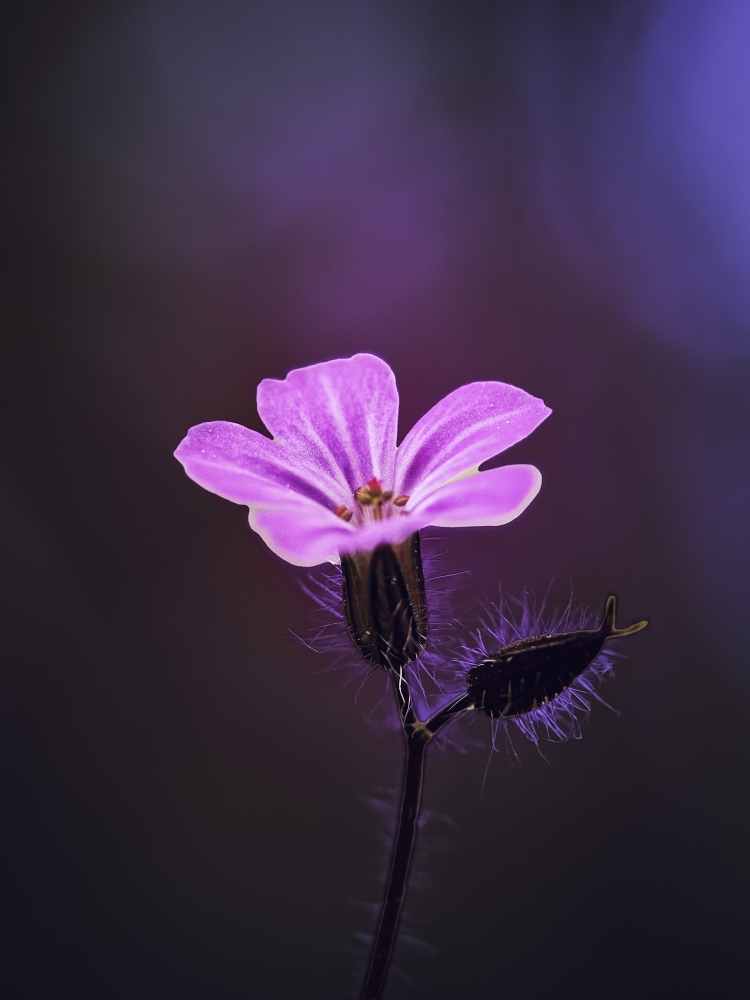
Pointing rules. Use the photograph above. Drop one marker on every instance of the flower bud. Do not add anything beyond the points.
(384, 602)
(530, 673)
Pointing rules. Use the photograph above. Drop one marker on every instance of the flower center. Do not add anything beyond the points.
(370, 499)
(373, 495)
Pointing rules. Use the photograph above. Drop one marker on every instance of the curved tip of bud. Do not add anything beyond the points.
(608, 627)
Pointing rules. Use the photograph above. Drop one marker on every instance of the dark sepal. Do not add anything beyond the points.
(384, 602)
(532, 672)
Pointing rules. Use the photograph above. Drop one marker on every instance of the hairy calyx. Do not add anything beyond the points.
(384, 602)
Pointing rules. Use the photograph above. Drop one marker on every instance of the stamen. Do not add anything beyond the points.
(343, 512)
(401, 500)
(373, 495)
(363, 496)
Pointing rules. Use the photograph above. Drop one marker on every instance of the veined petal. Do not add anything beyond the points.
(391, 531)
(469, 426)
(305, 534)
(302, 532)
(243, 466)
(487, 498)
(339, 416)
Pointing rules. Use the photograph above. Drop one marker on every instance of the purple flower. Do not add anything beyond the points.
(332, 480)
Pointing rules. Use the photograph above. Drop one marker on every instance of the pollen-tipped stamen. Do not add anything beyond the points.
(373, 496)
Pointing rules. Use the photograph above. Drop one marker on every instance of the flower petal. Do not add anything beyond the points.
(488, 498)
(243, 466)
(302, 532)
(339, 417)
(306, 536)
(466, 428)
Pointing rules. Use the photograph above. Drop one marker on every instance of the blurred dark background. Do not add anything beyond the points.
(203, 194)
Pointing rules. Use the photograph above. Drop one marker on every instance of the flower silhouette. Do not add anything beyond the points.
(332, 481)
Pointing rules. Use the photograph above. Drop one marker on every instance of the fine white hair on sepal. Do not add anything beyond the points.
(433, 677)
(511, 620)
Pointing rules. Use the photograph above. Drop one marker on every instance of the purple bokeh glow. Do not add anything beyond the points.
(643, 157)
(320, 138)
(257, 124)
